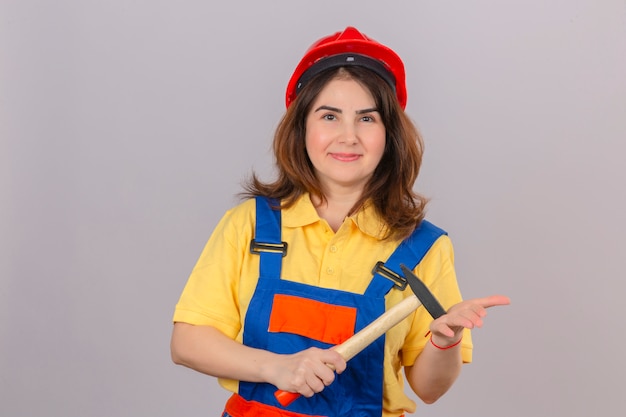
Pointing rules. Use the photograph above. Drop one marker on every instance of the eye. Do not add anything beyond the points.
(329, 116)
(368, 118)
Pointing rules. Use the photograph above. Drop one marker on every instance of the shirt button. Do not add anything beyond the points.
(330, 270)
(333, 249)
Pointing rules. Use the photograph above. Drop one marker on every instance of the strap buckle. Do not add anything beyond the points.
(399, 281)
(258, 247)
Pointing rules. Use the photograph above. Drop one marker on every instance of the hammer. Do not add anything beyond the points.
(363, 338)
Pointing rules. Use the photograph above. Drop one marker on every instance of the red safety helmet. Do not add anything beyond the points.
(349, 47)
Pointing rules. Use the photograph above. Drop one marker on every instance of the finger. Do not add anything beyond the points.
(324, 371)
(335, 361)
(442, 327)
(469, 316)
(306, 392)
(472, 318)
(492, 301)
(326, 378)
(466, 319)
(316, 385)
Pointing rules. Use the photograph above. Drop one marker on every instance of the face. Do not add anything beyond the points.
(345, 136)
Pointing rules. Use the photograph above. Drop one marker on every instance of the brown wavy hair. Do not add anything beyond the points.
(390, 189)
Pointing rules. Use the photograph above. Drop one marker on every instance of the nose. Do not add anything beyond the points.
(349, 134)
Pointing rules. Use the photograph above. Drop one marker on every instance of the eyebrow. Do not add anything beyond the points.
(335, 109)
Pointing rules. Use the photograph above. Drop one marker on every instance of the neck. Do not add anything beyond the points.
(336, 207)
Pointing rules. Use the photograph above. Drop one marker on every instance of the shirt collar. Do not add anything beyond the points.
(303, 213)
(370, 222)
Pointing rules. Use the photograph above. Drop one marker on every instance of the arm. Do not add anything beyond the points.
(207, 350)
(434, 372)
(435, 369)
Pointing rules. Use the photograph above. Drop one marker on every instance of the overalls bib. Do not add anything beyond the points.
(286, 317)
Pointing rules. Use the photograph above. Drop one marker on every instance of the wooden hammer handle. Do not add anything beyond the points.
(360, 340)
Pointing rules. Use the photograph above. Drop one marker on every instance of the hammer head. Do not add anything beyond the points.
(421, 291)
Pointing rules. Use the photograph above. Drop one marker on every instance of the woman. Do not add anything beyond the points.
(297, 269)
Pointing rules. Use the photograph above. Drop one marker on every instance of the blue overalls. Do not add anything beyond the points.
(269, 326)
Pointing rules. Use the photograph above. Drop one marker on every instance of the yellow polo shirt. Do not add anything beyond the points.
(223, 281)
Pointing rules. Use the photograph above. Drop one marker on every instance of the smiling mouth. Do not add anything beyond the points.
(345, 157)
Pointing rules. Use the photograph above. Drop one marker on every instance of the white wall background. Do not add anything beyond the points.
(126, 127)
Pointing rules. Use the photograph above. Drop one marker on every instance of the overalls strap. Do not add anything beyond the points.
(410, 252)
(267, 238)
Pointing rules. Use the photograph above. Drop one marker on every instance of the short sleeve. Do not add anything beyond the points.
(211, 294)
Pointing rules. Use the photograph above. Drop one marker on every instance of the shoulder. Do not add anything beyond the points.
(245, 209)
(237, 221)
(431, 240)
(441, 250)
(443, 243)
(438, 262)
